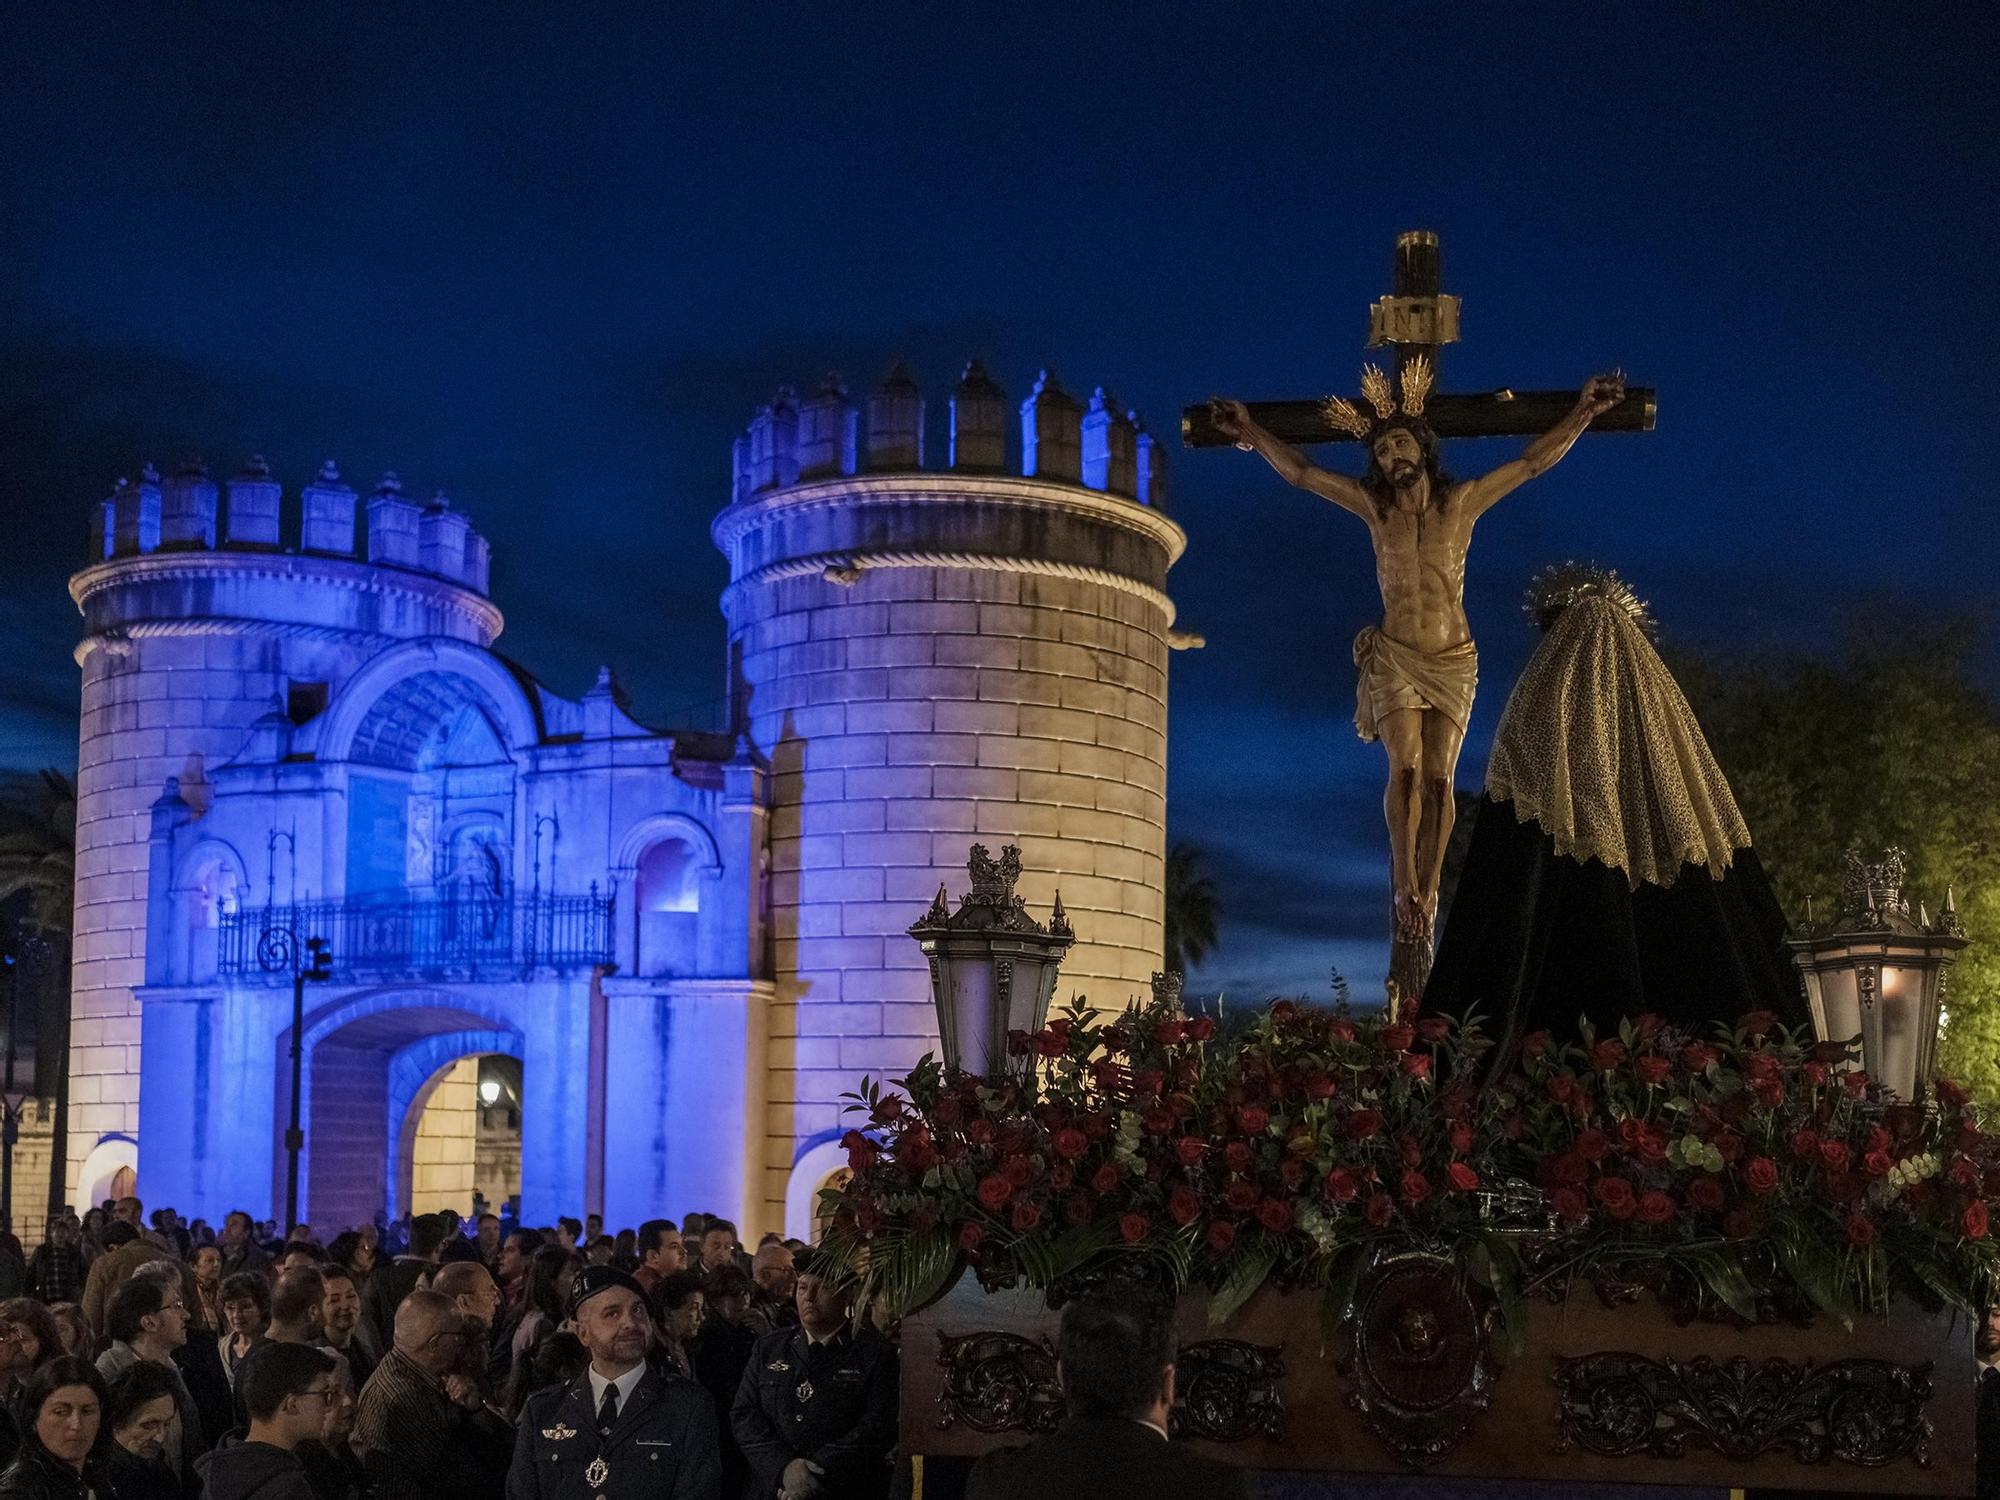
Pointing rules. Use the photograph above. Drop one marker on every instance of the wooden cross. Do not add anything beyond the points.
(1415, 320)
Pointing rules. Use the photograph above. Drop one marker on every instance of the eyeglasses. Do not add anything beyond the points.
(323, 1392)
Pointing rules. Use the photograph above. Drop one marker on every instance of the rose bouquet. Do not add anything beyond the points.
(1758, 1174)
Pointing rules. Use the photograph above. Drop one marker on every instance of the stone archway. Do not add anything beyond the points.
(369, 1064)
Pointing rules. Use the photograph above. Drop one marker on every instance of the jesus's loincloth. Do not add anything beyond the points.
(1394, 676)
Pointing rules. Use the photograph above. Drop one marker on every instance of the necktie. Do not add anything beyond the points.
(607, 1411)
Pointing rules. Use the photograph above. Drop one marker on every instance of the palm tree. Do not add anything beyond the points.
(1191, 908)
(38, 847)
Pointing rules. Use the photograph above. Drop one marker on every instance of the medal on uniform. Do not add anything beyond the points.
(778, 1365)
(558, 1433)
(804, 1391)
(596, 1472)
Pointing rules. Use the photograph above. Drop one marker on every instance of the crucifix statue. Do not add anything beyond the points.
(1418, 668)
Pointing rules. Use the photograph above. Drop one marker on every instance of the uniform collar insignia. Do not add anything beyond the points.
(777, 1364)
(558, 1433)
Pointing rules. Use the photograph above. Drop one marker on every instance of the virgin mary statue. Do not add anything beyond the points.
(1610, 872)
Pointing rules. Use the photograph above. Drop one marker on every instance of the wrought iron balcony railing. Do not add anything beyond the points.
(455, 935)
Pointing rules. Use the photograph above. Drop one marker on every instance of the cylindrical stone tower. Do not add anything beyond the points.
(929, 659)
(199, 620)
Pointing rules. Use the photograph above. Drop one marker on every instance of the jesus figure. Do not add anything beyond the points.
(1419, 667)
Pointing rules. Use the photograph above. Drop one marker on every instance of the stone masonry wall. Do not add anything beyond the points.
(906, 716)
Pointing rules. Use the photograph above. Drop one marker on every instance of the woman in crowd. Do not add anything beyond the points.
(544, 1299)
(246, 1313)
(28, 1340)
(139, 1414)
(678, 1306)
(72, 1331)
(355, 1250)
(61, 1414)
(206, 1263)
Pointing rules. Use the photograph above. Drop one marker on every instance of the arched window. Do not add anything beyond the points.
(213, 891)
(668, 897)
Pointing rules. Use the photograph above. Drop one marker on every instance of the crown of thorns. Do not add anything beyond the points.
(1417, 375)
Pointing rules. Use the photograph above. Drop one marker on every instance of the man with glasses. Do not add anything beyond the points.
(148, 1320)
(287, 1391)
(422, 1429)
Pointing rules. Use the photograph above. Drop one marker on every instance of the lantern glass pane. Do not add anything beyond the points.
(1902, 1026)
(967, 980)
(1839, 1005)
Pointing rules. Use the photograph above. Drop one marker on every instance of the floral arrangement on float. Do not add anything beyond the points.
(1754, 1175)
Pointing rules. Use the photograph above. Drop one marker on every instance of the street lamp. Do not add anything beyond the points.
(25, 966)
(279, 951)
(993, 967)
(1879, 973)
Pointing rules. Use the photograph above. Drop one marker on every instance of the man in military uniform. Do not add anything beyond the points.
(815, 1415)
(622, 1430)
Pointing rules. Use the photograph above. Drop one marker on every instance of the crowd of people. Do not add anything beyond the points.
(436, 1358)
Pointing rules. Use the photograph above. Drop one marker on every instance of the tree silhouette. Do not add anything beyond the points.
(1191, 909)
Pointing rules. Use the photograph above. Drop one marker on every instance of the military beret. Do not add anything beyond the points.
(594, 1279)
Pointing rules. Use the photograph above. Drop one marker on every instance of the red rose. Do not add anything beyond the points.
(1070, 1143)
(861, 1151)
(1105, 1178)
(1275, 1214)
(1952, 1094)
(1320, 1086)
(1189, 1149)
(1050, 1043)
(1415, 1186)
(1132, 1228)
(1770, 1093)
(1728, 1145)
(1461, 1177)
(1698, 1057)
(1149, 1083)
(1361, 1124)
(1340, 1030)
(888, 1107)
(1026, 1215)
(979, 1132)
(1962, 1173)
(1569, 1170)
(1156, 1121)
(1253, 1119)
(1343, 1185)
(1078, 1209)
(1615, 1193)
(1762, 1067)
(1835, 1154)
(1417, 1064)
(1813, 1073)
(995, 1190)
(1607, 1054)
(1878, 1164)
(1433, 1029)
(1183, 1205)
(1237, 1154)
(946, 1111)
(1170, 1033)
(1018, 1170)
(1240, 1195)
(1705, 1193)
(1860, 1231)
(1655, 1207)
(1650, 1145)
(1019, 1043)
(1758, 1023)
(1062, 1176)
(1291, 1171)
(1762, 1174)
(1412, 1151)
(1199, 1028)
(1397, 1038)
(1653, 1071)
(1646, 1026)
(1805, 1146)
(1379, 1210)
(1855, 1082)
(1534, 1044)
(1562, 1088)
(1973, 1220)
(1461, 1137)
(1221, 1235)
(1591, 1144)
(1569, 1204)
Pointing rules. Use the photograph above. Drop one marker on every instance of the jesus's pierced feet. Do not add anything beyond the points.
(1413, 917)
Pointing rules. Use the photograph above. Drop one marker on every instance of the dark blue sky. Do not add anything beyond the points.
(552, 256)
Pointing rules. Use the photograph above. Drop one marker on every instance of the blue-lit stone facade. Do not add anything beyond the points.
(294, 718)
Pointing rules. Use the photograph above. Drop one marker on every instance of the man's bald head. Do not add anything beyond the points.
(428, 1326)
(470, 1287)
(772, 1268)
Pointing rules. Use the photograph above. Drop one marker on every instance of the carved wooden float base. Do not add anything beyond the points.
(1415, 1383)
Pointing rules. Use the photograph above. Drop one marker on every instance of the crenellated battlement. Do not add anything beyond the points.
(187, 512)
(1096, 444)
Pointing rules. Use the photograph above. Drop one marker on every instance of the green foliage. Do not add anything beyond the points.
(38, 846)
(1191, 909)
(1891, 741)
